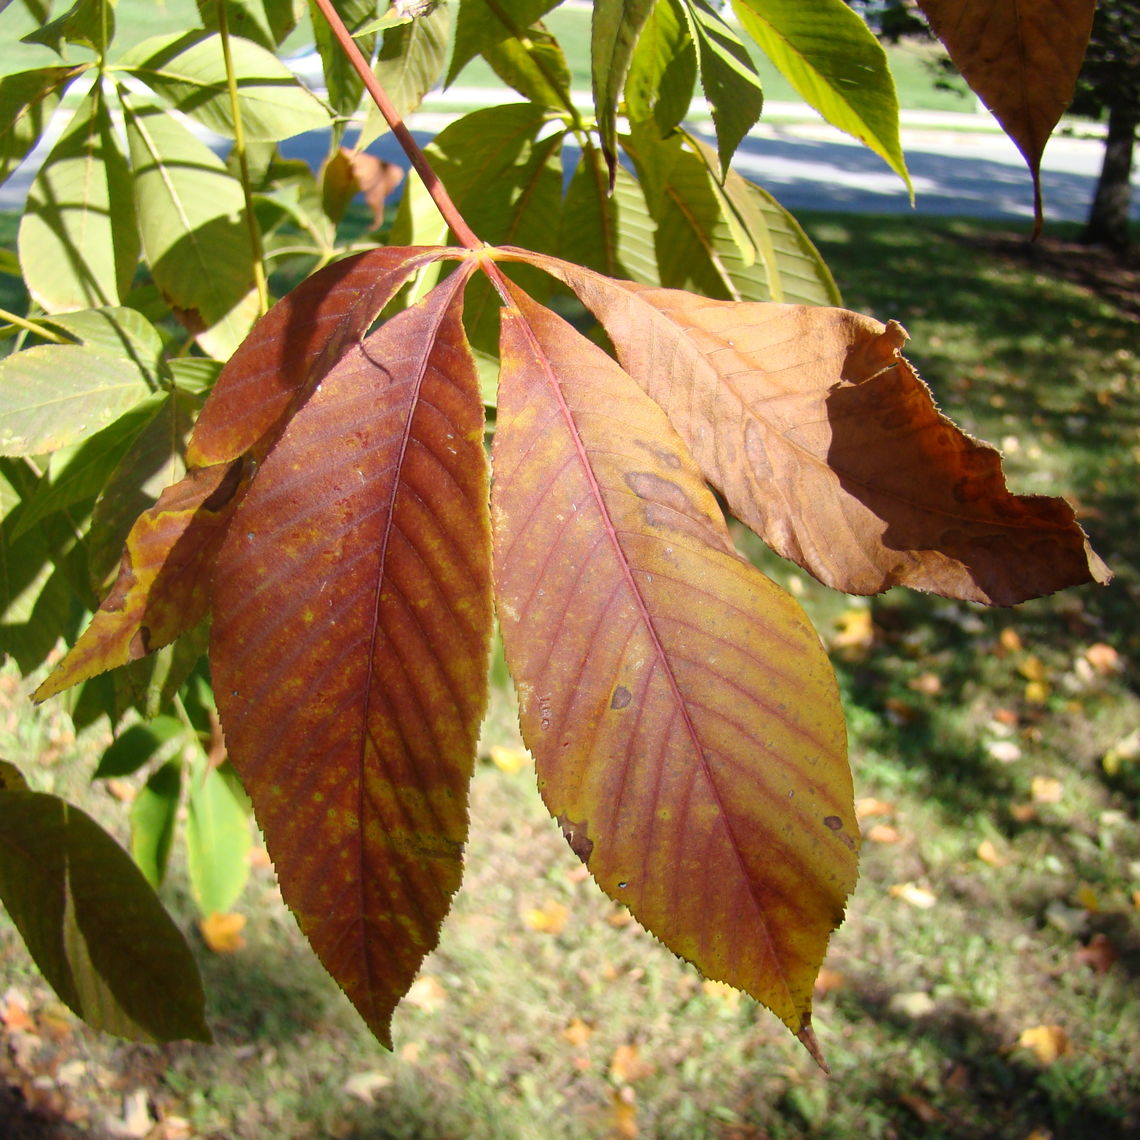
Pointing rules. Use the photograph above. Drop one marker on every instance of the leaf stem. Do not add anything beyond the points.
(32, 327)
(439, 195)
(259, 279)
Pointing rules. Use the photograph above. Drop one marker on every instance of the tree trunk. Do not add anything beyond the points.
(1109, 219)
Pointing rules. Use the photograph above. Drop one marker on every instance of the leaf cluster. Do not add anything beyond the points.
(323, 504)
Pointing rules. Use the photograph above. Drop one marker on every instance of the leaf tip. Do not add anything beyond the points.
(810, 1042)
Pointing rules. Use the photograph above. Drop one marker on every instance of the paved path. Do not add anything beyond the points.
(959, 167)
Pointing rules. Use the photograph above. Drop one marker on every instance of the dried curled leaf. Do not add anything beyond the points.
(825, 441)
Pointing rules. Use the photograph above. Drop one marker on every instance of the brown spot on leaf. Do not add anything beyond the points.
(621, 698)
(577, 835)
(833, 821)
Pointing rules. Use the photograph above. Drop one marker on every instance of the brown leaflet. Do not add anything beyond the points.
(349, 648)
(825, 441)
(1022, 58)
(294, 345)
(683, 716)
(162, 589)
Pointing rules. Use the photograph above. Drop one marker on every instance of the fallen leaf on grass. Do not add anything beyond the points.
(883, 833)
(623, 1114)
(1103, 658)
(549, 919)
(1036, 692)
(929, 684)
(828, 981)
(14, 1014)
(628, 1066)
(913, 1005)
(222, 932)
(509, 760)
(427, 993)
(868, 806)
(578, 1033)
(988, 853)
(1046, 790)
(1045, 1042)
(1099, 955)
(1010, 640)
(855, 632)
(914, 895)
(365, 1086)
(1004, 751)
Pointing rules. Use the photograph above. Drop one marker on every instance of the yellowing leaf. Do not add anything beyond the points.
(623, 1114)
(1010, 640)
(710, 697)
(914, 895)
(1046, 1042)
(1088, 898)
(550, 918)
(628, 1066)
(988, 853)
(222, 932)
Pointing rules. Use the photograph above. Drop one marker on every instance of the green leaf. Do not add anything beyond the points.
(344, 86)
(535, 66)
(94, 925)
(832, 59)
(117, 332)
(217, 840)
(663, 69)
(612, 233)
(78, 242)
(189, 70)
(27, 101)
(138, 745)
(733, 242)
(482, 24)
(81, 470)
(88, 23)
(190, 217)
(613, 32)
(53, 395)
(728, 78)
(266, 22)
(153, 817)
(410, 63)
(35, 598)
(770, 238)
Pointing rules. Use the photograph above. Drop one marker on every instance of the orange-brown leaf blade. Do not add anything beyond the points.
(683, 716)
(350, 644)
(294, 345)
(162, 589)
(1022, 60)
(825, 441)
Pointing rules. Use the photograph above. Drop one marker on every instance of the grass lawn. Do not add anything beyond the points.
(984, 983)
